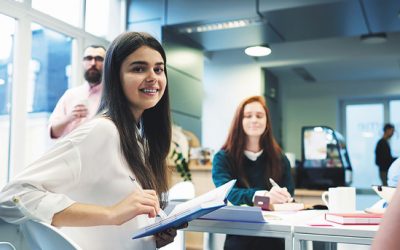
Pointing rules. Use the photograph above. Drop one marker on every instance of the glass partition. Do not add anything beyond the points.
(49, 77)
(7, 30)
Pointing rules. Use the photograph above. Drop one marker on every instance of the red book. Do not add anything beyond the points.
(354, 218)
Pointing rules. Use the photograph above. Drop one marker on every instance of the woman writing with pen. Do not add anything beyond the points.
(252, 156)
(84, 183)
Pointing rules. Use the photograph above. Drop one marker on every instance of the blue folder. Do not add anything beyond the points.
(187, 215)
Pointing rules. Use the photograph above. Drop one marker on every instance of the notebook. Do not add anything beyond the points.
(189, 210)
(290, 206)
(359, 218)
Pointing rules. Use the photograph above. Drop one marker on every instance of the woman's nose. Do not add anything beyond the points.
(151, 77)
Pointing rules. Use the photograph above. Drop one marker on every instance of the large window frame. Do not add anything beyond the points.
(385, 101)
(354, 101)
(25, 15)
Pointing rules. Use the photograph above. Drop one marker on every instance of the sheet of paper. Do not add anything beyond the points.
(217, 195)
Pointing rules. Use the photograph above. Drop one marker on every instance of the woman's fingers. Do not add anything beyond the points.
(279, 195)
(137, 203)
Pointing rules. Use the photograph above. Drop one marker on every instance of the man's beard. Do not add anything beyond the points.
(93, 76)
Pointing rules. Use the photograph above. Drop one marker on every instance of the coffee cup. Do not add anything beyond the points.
(340, 199)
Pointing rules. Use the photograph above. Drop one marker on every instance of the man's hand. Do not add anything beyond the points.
(79, 111)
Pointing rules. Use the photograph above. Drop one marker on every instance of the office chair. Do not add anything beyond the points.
(11, 237)
(6, 246)
(33, 235)
(42, 236)
(181, 191)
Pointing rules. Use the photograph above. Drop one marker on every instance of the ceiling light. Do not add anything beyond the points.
(221, 25)
(374, 38)
(258, 51)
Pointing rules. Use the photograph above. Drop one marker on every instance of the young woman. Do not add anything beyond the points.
(85, 184)
(252, 156)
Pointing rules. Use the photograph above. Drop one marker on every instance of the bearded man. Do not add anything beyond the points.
(80, 104)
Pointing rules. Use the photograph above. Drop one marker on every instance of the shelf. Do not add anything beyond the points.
(199, 167)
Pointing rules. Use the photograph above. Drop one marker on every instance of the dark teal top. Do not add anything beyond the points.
(256, 176)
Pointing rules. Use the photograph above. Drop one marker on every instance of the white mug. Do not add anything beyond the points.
(340, 199)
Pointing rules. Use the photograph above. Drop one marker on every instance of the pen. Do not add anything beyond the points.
(274, 184)
(161, 212)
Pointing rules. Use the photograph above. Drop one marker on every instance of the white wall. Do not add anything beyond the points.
(226, 83)
(318, 104)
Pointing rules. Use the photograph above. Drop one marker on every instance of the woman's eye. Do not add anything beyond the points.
(138, 69)
(159, 70)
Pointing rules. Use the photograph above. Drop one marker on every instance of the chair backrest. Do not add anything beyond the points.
(10, 234)
(33, 235)
(6, 246)
(46, 237)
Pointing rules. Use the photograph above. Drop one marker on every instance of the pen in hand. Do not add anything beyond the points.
(274, 184)
(161, 212)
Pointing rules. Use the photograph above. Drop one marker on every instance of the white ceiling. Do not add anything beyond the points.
(321, 36)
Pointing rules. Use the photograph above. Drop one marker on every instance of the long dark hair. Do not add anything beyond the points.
(156, 121)
(235, 144)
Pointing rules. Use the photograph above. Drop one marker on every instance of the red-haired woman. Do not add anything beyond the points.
(252, 156)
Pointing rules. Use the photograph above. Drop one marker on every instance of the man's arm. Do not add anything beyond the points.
(60, 119)
(57, 128)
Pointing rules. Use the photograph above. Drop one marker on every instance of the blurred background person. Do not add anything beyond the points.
(80, 104)
(252, 156)
(383, 154)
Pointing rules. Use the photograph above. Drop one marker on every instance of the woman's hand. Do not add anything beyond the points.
(137, 203)
(278, 195)
(165, 237)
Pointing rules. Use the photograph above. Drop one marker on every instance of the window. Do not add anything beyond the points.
(96, 17)
(394, 117)
(42, 42)
(7, 27)
(67, 11)
(100, 18)
(364, 121)
(48, 80)
(363, 126)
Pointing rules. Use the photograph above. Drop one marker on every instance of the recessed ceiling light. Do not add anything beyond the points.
(258, 51)
(374, 38)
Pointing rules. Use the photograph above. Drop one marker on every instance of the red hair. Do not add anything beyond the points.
(235, 144)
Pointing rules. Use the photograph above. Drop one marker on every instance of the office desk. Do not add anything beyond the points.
(360, 235)
(293, 229)
(271, 228)
(275, 230)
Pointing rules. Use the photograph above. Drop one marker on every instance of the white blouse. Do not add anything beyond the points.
(86, 166)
